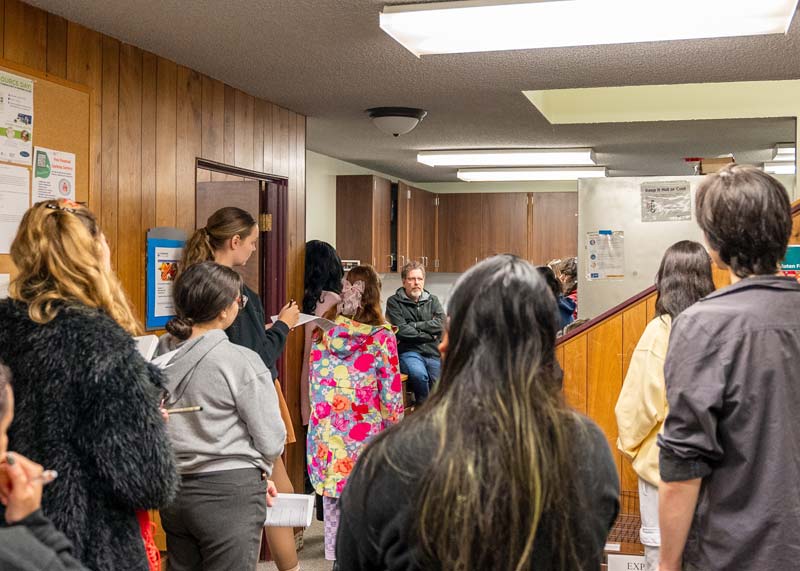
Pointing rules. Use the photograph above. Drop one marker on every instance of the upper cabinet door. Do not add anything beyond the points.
(381, 225)
(504, 224)
(355, 217)
(422, 227)
(554, 226)
(459, 235)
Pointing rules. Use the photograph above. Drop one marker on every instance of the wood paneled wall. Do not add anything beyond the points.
(596, 360)
(150, 119)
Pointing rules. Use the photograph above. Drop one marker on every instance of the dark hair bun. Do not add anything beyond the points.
(180, 327)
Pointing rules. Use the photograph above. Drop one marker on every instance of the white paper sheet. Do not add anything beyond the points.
(606, 255)
(15, 198)
(5, 279)
(290, 510)
(147, 345)
(306, 318)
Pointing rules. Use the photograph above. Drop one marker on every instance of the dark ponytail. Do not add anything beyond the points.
(201, 293)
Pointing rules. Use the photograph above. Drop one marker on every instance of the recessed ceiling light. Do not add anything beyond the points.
(507, 157)
(528, 174)
(779, 167)
(495, 25)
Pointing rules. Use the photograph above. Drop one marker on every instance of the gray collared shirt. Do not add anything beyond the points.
(734, 420)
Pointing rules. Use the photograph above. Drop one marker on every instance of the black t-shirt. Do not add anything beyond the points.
(378, 510)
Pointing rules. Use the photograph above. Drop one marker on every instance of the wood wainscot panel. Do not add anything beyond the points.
(575, 366)
(604, 346)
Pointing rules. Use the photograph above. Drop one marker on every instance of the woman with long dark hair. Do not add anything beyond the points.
(495, 471)
(683, 278)
(323, 284)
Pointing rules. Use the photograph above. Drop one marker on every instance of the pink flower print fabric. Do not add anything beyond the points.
(355, 393)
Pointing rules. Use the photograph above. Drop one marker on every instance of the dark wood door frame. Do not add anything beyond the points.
(273, 210)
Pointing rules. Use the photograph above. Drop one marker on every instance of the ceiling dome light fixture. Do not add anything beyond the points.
(396, 121)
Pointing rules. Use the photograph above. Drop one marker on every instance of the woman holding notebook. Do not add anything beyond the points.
(227, 450)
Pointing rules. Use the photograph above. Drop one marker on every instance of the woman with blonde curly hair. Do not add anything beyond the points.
(86, 401)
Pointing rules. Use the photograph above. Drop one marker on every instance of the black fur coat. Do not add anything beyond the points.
(87, 406)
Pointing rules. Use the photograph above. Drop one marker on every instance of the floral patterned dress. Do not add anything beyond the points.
(355, 393)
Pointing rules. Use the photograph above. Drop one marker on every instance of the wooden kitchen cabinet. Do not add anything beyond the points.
(416, 228)
(363, 220)
(504, 224)
(459, 233)
(553, 226)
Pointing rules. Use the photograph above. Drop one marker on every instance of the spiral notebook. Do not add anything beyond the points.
(290, 510)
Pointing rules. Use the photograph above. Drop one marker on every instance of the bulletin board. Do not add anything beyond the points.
(61, 122)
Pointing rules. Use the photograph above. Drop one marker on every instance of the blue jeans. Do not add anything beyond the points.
(422, 373)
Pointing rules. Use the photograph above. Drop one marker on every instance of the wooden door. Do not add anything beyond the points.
(211, 196)
(381, 225)
(354, 217)
(504, 224)
(459, 232)
(553, 231)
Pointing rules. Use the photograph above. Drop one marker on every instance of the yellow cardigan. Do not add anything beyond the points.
(642, 405)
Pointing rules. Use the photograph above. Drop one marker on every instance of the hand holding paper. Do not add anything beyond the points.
(306, 318)
(289, 510)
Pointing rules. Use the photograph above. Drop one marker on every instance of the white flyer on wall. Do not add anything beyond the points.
(166, 270)
(53, 175)
(16, 118)
(666, 201)
(15, 198)
(605, 255)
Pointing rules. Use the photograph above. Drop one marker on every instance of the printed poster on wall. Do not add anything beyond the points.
(605, 255)
(791, 263)
(16, 118)
(53, 175)
(666, 201)
(15, 198)
(163, 256)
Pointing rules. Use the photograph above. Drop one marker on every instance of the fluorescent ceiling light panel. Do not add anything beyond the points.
(784, 152)
(527, 174)
(492, 25)
(508, 158)
(779, 168)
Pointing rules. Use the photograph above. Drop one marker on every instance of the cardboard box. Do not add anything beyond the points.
(710, 165)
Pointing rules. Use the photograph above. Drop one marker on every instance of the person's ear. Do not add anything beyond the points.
(236, 241)
(444, 344)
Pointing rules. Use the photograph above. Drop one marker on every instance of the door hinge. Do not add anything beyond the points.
(436, 203)
(436, 261)
(409, 194)
(265, 222)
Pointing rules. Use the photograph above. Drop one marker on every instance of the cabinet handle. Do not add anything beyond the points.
(402, 262)
(391, 259)
(476, 259)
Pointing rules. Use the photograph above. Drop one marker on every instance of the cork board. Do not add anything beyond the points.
(61, 122)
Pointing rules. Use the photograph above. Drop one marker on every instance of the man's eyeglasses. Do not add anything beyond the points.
(242, 299)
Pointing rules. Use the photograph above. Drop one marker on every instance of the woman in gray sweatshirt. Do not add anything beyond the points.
(226, 450)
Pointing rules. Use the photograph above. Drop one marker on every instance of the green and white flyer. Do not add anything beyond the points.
(53, 175)
(16, 118)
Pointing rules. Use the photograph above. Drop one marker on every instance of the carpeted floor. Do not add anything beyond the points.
(312, 556)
